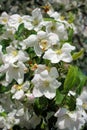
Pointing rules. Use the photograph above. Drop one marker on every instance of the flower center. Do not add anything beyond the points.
(59, 51)
(5, 20)
(14, 53)
(84, 105)
(18, 87)
(46, 83)
(43, 44)
(20, 20)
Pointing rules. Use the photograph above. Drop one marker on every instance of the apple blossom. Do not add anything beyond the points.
(62, 54)
(45, 83)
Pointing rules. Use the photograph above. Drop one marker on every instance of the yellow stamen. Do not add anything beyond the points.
(5, 20)
(20, 20)
(14, 53)
(43, 44)
(34, 67)
(59, 51)
(62, 17)
(84, 105)
(17, 87)
(46, 83)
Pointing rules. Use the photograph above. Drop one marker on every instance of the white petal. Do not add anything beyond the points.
(54, 39)
(54, 72)
(49, 93)
(61, 112)
(55, 84)
(66, 57)
(18, 95)
(61, 123)
(51, 55)
(30, 41)
(37, 92)
(44, 74)
(67, 47)
(38, 50)
(42, 35)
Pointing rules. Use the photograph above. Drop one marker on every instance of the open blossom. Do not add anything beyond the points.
(45, 41)
(4, 18)
(41, 42)
(13, 55)
(45, 83)
(19, 91)
(15, 20)
(13, 64)
(57, 28)
(62, 54)
(70, 120)
(36, 19)
(82, 99)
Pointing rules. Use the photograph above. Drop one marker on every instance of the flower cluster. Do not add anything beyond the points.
(36, 77)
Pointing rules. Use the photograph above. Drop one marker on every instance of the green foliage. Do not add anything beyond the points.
(70, 102)
(75, 79)
(22, 33)
(3, 114)
(40, 105)
(81, 82)
(5, 43)
(71, 78)
(2, 29)
(50, 19)
(77, 55)
(59, 97)
(71, 17)
(70, 34)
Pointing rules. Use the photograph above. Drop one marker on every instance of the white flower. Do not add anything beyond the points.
(62, 54)
(2, 120)
(16, 72)
(28, 42)
(14, 21)
(18, 95)
(58, 28)
(11, 120)
(20, 112)
(29, 120)
(18, 91)
(13, 64)
(82, 99)
(4, 18)
(14, 55)
(41, 42)
(36, 19)
(45, 83)
(70, 120)
(45, 41)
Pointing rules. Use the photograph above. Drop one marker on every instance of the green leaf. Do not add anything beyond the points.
(71, 17)
(77, 55)
(22, 33)
(40, 105)
(5, 43)
(59, 97)
(70, 34)
(3, 89)
(2, 29)
(70, 103)
(71, 78)
(81, 82)
(3, 114)
(50, 19)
